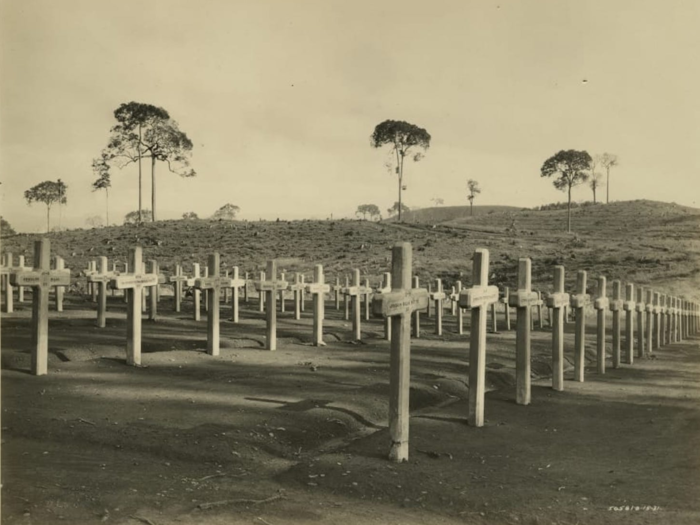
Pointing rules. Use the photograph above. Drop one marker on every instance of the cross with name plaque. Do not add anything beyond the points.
(601, 304)
(615, 307)
(296, 289)
(384, 289)
(353, 292)
(557, 301)
(640, 307)
(579, 301)
(628, 306)
(271, 288)
(101, 278)
(318, 289)
(177, 279)
(236, 283)
(398, 304)
(438, 296)
(133, 284)
(214, 283)
(649, 309)
(41, 279)
(478, 298)
(522, 300)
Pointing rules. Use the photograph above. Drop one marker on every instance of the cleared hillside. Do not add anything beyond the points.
(643, 242)
(440, 214)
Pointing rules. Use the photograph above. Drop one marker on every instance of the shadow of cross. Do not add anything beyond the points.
(41, 278)
(398, 304)
(309, 404)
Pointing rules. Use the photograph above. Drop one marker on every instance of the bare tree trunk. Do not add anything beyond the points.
(107, 201)
(471, 208)
(48, 219)
(607, 184)
(153, 187)
(594, 201)
(139, 154)
(568, 220)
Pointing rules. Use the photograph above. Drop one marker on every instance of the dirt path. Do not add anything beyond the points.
(299, 435)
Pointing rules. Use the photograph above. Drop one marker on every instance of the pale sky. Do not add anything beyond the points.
(280, 98)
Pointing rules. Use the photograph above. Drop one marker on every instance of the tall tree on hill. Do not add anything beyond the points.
(146, 131)
(570, 167)
(474, 190)
(594, 183)
(50, 193)
(608, 160)
(103, 182)
(404, 138)
(227, 212)
(398, 208)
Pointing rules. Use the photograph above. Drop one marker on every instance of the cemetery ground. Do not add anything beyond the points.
(299, 435)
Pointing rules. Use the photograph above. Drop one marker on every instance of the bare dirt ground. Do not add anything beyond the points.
(299, 435)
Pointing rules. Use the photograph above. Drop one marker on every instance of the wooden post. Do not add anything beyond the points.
(261, 294)
(213, 283)
(416, 312)
(628, 307)
(337, 289)
(9, 293)
(236, 283)
(522, 300)
(506, 307)
(41, 278)
(346, 299)
(460, 310)
(20, 289)
(615, 308)
(386, 288)
(477, 298)
(558, 301)
(196, 293)
(578, 303)
(601, 305)
(640, 321)
(367, 292)
(282, 293)
(398, 305)
(153, 292)
(649, 336)
(318, 289)
(437, 297)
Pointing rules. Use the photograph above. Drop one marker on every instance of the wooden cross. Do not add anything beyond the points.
(628, 306)
(366, 291)
(398, 305)
(460, 310)
(416, 312)
(657, 319)
(177, 281)
(557, 301)
(318, 289)
(337, 289)
(601, 304)
(236, 283)
(214, 283)
(477, 298)
(87, 272)
(296, 288)
(522, 300)
(134, 283)
(353, 292)
(41, 279)
(615, 308)
(261, 294)
(384, 289)
(649, 308)
(346, 298)
(20, 289)
(282, 293)
(7, 271)
(153, 292)
(196, 293)
(59, 264)
(506, 306)
(579, 301)
(640, 307)
(100, 279)
(302, 293)
(271, 288)
(438, 296)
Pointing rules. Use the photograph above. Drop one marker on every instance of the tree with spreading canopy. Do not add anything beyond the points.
(437, 201)
(404, 139)
(608, 160)
(368, 209)
(474, 190)
(190, 216)
(146, 131)
(397, 208)
(227, 212)
(570, 167)
(103, 182)
(50, 193)
(138, 216)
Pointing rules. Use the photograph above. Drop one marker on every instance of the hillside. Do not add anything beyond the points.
(440, 214)
(640, 241)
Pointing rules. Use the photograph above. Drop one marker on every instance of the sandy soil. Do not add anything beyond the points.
(299, 435)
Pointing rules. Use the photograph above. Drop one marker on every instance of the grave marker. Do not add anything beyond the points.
(437, 297)
(318, 289)
(386, 288)
(213, 284)
(416, 312)
(236, 283)
(196, 293)
(177, 281)
(640, 322)
(100, 279)
(460, 310)
(615, 308)
(649, 336)
(505, 300)
(9, 294)
(522, 300)
(271, 288)
(579, 301)
(346, 298)
(398, 305)
(661, 336)
(41, 279)
(134, 283)
(601, 305)
(477, 298)
(296, 288)
(261, 294)
(557, 301)
(366, 291)
(628, 306)
(20, 289)
(337, 288)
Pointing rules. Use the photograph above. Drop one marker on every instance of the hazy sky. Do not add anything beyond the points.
(280, 98)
